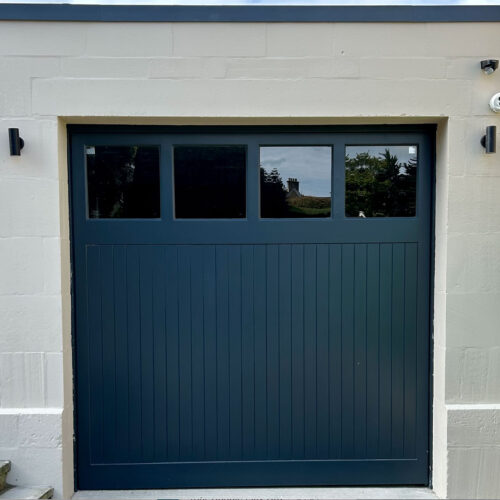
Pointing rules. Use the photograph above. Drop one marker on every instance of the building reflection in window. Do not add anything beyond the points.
(295, 181)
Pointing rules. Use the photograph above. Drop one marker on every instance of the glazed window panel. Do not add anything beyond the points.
(123, 182)
(295, 181)
(381, 181)
(210, 182)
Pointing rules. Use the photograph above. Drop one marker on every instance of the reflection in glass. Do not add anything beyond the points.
(295, 181)
(210, 182)
(380, 181)
(123, 182)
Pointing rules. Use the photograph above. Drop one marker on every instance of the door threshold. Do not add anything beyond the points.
(295, 493)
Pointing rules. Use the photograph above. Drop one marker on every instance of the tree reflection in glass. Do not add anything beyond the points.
(123, 182)
(295, 181)
(380, 181)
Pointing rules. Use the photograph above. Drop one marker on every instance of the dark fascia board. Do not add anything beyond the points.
(249, 13)
(429, 128)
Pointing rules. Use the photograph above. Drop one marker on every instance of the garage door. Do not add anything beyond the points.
(251, 306)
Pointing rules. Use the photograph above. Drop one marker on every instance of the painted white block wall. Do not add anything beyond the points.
(58, 73)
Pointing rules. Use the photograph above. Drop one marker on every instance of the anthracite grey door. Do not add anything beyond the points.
(251, 305)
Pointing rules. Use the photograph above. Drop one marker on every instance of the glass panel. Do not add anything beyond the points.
(210, 182)
(380, 181)
(123, 182)
(295, 181)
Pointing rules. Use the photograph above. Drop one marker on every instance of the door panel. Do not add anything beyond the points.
(251, 352)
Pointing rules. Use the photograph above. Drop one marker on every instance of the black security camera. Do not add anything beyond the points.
(489, 65)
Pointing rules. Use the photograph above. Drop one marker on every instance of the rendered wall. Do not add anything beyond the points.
(57, 73)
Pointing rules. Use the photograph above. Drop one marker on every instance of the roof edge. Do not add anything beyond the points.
(249, 13)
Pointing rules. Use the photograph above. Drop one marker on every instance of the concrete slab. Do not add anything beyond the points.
(386, 493)
(22, 493)
(4, 470)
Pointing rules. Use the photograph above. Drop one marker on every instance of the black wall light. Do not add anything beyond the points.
(489, 140)
(15, 142)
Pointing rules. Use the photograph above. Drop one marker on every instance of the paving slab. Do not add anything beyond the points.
(389, 493)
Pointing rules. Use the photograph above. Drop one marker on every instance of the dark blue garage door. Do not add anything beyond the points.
(251, 306)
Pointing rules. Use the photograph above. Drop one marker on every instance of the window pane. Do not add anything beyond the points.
(210, 182)
(381, 181)
(295, 181)
(123, 182)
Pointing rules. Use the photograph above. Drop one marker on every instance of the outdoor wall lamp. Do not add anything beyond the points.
(489, 140)
(16, 143)
(489, 66)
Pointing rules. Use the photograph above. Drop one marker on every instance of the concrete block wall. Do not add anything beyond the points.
(53, 73)
(31, 360)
